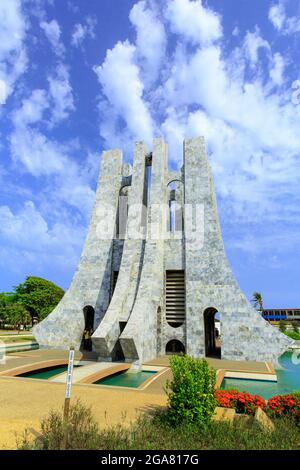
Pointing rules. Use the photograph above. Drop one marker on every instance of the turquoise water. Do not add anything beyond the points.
(126, 379)
(288, 380)
(46, 372)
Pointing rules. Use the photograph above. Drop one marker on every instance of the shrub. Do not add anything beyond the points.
(191, 392)
(152, 434)
(282, 326)
(83, 432)
(242, 402)
(293, 334)
(288, 404)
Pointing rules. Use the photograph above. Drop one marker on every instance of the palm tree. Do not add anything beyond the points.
(257, 301)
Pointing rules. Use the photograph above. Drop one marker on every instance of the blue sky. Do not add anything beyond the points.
(77, 77)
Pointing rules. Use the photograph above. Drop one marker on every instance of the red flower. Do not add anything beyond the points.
(242, 402)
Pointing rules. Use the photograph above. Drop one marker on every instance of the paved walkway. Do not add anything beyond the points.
(83, 372)
(25, 402)
(18, 359)
(240, 366)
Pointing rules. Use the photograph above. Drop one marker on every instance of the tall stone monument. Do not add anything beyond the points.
(153, 277)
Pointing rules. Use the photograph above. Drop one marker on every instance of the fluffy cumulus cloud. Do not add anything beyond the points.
(18, 230)
(175, 71)
(150, 41)
(13, 58)
(201, 88)
(123, 88)
(41, 155)
(193, 21)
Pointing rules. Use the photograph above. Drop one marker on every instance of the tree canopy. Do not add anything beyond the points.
(34, 298)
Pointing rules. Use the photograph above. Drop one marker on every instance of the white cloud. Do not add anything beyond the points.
(278, 17)
(13, 59)
(193, 21)
(31, 109)
(61, 93)
(81, 31)
(121, 85)
(27, 237)
(204, 91)
(253, 43)
(151, 39)
(41, 155)
(53, 33)
(276, 72)
(3, 91)
(236, 31)
(293, 25)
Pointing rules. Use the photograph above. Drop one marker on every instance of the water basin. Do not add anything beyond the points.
(126, 379)
(288, 380)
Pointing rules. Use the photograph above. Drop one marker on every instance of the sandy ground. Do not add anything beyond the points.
(24, 402)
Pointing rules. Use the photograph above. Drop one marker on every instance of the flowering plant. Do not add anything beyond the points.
(288, 404)
(242, 402)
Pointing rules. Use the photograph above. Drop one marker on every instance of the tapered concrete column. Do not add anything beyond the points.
(90, 285)
(108, 332)
(139, 339)
(209, 279)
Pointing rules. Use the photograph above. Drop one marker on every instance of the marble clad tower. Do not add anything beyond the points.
(153, 271)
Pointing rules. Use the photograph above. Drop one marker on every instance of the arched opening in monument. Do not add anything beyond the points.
(148, 178)
(114, 279)
(175, 297)
(122, 214)
(175, 347)
(175, 218)
(212, 333)
(117, 353)
(89, 316)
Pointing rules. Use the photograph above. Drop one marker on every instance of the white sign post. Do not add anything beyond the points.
(68, 395)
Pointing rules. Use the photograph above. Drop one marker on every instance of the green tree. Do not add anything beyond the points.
(38, 296)
(6, 299)
(257, 301)
(16, 313)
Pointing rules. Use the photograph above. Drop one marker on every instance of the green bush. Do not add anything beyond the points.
(191, 397)
(282, 326)
(293, 334)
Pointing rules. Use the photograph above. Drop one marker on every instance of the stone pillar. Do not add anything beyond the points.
(108, 332)
(90, 285)
(210, 282)
(139, 339)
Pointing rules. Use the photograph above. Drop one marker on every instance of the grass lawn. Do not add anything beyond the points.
(18, 339)
(151, 433)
